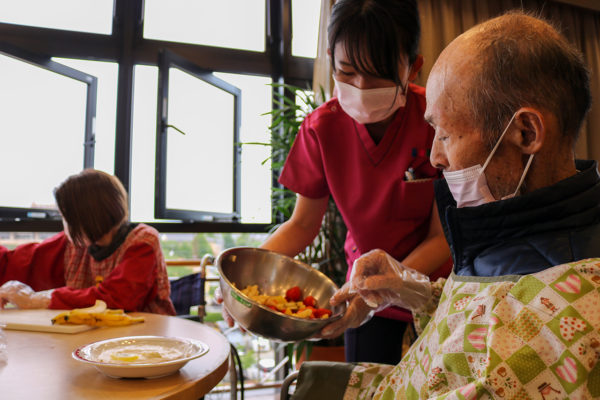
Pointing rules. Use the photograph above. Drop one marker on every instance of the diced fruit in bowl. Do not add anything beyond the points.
(275, 274)
(292, 304)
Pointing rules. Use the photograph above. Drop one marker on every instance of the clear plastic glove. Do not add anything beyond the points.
(357, 312)
(226, 316)
(23, 296)
(3, 350)
(382, 281)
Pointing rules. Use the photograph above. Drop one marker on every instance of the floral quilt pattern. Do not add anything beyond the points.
(532, 337)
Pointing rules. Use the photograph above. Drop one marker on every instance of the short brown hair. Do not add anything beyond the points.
(92, 203)
(377, 34)
(525, 61)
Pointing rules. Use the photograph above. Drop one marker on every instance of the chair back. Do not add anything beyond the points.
(188, 291)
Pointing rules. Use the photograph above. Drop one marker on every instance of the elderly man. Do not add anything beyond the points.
(519, 318)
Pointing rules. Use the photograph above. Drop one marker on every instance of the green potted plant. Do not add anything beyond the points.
(326, 252)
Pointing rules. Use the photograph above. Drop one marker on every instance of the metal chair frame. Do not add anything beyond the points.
(285, 386)
(203, 263)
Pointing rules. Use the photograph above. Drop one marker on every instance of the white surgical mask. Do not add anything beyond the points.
(469, 186)
(367, 106)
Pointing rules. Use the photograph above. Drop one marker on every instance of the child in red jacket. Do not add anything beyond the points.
(100, 255)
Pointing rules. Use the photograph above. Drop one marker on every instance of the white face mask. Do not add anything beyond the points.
(469, 186)
(367, 106)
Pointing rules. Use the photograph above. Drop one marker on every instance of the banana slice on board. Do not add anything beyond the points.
(96, 315)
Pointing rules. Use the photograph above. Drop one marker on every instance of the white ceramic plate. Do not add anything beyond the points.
(140, 356)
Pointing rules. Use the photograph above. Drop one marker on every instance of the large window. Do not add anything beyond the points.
(106, 108)
(217, 106)
(76, 15)
(305, 27)
(237, 24)
(44, 140)
(197, 155)
(212, 173)
(255, 173)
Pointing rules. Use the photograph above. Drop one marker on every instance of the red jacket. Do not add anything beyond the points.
(133, 278)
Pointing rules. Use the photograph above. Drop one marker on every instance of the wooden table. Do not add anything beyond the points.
(40, 365)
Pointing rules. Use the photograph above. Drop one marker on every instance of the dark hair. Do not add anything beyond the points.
(92, 203)
(376, 34)
(525, 61)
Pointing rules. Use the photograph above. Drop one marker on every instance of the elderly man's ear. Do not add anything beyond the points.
(529, 130)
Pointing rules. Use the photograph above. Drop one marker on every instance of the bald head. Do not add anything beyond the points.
(510, 62)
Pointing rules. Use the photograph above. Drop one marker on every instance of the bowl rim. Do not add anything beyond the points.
(332, 317)
(203, 348)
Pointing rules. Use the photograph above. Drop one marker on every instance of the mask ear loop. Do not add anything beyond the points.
(498, 143)
(522, 178)
(402, 92)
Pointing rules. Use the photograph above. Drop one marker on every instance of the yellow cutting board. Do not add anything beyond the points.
(38, 321)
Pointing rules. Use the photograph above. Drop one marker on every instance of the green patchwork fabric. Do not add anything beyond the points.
(521, 395)
(526, 364)
(493, 360)
(572, 285)
(570, 372)
(593, 383)
(443, 331)
(457, 363)
(527, 325)
(475, 338)
(527, 288)
(530, 337)
(569, 326)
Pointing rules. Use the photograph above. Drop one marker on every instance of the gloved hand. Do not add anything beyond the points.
(23, 296)
(226, 316)
(382, 281)
(357, 312)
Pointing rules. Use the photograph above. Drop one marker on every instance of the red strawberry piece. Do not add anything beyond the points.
(293, 294)
(310, 301)
(319, 312)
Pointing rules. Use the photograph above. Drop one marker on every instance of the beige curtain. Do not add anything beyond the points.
(322, 69)
(443, 20)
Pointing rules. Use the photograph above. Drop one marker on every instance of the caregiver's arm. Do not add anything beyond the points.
(293, 235)
(299, 231)
(433, 251)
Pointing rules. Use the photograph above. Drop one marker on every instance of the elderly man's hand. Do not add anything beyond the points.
(226, 316)
(23, 296)
(382, 281)
(224, 313)
(357, 312)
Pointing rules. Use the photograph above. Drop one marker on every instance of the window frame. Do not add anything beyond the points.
(167, 60)
(89, 137)
(127, 47)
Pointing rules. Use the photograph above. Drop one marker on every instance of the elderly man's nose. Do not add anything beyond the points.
(437, 158)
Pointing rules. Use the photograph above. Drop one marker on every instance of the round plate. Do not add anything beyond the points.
(140, 356)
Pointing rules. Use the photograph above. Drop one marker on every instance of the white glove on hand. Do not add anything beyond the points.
(357, 312)
(23, 296)
(224, 313)
(382, 282)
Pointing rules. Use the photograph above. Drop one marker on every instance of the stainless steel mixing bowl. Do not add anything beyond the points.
(274, 274)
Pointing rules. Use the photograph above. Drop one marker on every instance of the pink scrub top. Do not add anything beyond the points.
(335, 155)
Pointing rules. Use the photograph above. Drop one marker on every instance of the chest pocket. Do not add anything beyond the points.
(412, 199)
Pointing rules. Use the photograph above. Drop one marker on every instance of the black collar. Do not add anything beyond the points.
(572, 202)
(100, 253)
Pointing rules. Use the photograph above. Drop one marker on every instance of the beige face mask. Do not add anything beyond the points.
(367, 106)
(469, 186)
